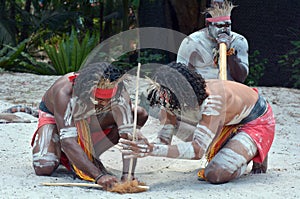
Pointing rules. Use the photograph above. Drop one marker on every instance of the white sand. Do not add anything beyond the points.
(167, 178)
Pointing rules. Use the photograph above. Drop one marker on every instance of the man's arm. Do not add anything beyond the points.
(69, 145)
(194, 149)
(238, 63)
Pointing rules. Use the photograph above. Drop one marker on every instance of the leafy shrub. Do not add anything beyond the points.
(68, 54)
(292, 59)
(18, 60)
(130, 60)
(256, 69)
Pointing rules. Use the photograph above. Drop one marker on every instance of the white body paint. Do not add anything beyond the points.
(186, 150)
(203, 136)
(68, 133)
(239, 117)
(228, 160)
(48, 159)
(125, 129)
(160, 150)
(247, 142)
(165, 134)
(123, 108)
(212, 105)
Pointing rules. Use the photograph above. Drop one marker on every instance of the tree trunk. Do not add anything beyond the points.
(179, 15)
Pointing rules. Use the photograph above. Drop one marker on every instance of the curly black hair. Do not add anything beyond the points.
(179, 87)
(90, 76)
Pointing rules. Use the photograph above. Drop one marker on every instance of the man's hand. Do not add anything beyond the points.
(138, 136)
(136, 149)
(224, 38)
(107, 181)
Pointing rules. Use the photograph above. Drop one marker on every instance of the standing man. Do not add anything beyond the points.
(81, 116)
(200, 50)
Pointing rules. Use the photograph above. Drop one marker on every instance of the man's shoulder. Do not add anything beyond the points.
(202, 31)
(236, 35)
(199, 35)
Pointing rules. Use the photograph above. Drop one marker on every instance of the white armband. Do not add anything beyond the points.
(160, 150)
(165, 134)
(68, 132)
(126, 129)
(186, 150)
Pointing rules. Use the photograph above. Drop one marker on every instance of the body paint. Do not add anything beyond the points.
(212, 105)
(228, 160)
(43, 158)
(186, 150)
(68, 133)
(123, 108)
(165, 134)
(247, 143)
(160, 150)
(203, 136)
(239, 117)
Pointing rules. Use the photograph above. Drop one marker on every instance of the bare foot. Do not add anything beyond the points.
(260, 167)
(125, 177)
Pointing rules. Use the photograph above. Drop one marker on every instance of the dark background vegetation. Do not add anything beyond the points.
(272, 29)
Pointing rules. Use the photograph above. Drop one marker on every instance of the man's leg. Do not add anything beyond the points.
(232, 160)
(46, 150)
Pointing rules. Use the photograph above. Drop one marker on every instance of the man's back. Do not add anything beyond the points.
(233, 101)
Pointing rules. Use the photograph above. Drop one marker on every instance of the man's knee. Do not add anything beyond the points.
(225, 166)
(44, 165)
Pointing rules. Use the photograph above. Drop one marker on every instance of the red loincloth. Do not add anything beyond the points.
(262, 131)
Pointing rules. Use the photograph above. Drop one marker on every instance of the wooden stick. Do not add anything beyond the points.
(223, 61)
(70, 184)
(135, 116)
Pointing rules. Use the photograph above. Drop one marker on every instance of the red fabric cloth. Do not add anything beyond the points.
(98, 136)
(44, 118)
(262, 131)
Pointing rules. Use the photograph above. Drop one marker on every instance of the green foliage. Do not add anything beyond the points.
(256, 69)
(16, 59)
(292, 59)
(131, 59)
(69, 53)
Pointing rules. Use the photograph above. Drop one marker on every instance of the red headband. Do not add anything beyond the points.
(218, 19)
(105, 93)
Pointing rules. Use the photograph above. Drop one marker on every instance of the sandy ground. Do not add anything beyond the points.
(167, 178)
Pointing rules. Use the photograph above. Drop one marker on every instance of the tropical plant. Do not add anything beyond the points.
(256, 68)
(68, 54)
(292, 59)
(131, 59)
(16, 59)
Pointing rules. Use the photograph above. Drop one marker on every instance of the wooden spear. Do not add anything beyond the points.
(88, 185)
(135, 116)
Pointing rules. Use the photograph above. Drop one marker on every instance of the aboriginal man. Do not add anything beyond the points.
(200, 50)
(81, 116)
(228, 121)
